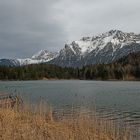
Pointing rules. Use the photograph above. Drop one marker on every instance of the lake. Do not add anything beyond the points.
(120, 99)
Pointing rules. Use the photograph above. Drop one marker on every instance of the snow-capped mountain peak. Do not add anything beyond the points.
(40, 53)
(88, 44)
(99, 42)
(44, 55)
(102, 48)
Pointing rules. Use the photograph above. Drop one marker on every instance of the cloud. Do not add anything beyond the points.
(27, 26)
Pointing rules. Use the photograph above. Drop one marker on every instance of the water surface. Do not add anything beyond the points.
(111, 98)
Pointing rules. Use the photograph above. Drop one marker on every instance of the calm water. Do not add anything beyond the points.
(119, 99)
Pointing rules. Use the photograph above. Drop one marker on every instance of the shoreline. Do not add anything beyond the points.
(57, 79)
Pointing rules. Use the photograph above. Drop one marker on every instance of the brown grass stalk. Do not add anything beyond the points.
(39, 123)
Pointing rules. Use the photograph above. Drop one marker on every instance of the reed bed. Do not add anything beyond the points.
(41, 123)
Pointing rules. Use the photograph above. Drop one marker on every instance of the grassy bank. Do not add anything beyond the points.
(40, 123)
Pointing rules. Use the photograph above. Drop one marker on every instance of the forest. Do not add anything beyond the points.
(126, 68)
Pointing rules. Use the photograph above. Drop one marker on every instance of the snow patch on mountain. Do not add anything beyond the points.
(28, 61)
(42, 56)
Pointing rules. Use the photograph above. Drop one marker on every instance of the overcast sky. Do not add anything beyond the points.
(27, 26)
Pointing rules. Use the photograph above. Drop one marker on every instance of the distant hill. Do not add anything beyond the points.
(126, 68)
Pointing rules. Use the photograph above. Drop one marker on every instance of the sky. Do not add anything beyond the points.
(27, 26)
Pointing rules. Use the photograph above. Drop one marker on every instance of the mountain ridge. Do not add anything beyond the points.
(99, 49)
(103, 48)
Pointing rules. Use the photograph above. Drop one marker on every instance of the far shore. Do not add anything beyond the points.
(57, 79)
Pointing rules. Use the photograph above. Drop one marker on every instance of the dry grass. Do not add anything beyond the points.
(38, 123)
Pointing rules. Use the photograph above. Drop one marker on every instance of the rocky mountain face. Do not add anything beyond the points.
(103, 48)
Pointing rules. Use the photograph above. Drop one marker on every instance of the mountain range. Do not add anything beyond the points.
(101, 49)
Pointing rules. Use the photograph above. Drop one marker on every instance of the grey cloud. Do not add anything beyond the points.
(27, 26)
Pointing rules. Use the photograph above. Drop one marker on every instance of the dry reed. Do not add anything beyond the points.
(40, 123)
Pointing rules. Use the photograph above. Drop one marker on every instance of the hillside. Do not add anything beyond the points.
(126, 68)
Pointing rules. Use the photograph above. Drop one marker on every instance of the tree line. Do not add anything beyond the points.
(126, 68)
